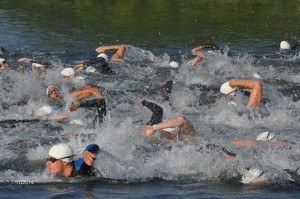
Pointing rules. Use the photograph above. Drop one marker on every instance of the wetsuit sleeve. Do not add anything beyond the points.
(157, 112)
(99, 60)
(99, 104)
(93, 103)
(93, 148)
(219, 149)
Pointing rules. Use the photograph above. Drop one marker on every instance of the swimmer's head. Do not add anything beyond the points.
(227, 90)
(2, 61)
(67, 72)
(62, 152)
(3, 64)
(103, 55)
(49, 89)
(284, 45)
(53, 93)
(174, 64)
(36, 66)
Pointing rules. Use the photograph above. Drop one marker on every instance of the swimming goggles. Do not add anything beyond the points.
(52, 159)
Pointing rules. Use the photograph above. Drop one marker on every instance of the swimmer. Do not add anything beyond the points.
(4, 66)
(265, 137)
(61, 161)
(101, 66)
(176, 128)
(284, 45)
(254, 87)
(199, 55)
(117, 56)
(86, 91)
(38, 67)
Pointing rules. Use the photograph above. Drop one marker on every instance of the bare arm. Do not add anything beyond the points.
(254, 87)
(59, 117)
(199, 55)
(86, 92)
(197, 49)
(248, 143)
(117, 56)
(185, 127)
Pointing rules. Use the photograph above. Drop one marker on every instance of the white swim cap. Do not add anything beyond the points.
(47, 90)
(44, 111)
(67, 72)
(90, 69)
(226, 89)
(265, 136)
(62, 151)
(103, 55)
(2, 60)
(174, 64)
(257, 76)
(285, 45)
(37, 66)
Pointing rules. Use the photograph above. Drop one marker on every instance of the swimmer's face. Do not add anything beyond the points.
(54, 167)
(54, 94)
(4, 66)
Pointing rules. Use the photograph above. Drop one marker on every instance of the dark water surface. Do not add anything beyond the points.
(67, 32)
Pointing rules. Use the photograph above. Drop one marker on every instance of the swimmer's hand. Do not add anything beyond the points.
(74, 106)
(148, 131)
(88, 157)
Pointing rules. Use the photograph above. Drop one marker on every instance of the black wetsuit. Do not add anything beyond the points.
(82, 169)
(3, 51)
(166, 90)
(296, 47)
(99, 104)
(157, 112)
(99, 62)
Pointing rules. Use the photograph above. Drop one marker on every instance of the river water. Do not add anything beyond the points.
(67, 32)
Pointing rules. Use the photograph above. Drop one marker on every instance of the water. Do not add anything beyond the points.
(67, 32)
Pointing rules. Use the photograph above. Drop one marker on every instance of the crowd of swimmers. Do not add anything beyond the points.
(60, 159)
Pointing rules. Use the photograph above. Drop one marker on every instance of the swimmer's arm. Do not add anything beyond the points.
(197, 49)
(245, 143)
(80, 94)
(251, 84)
(59, 117)
(199, 55)
(119, 48)
(87, 103)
